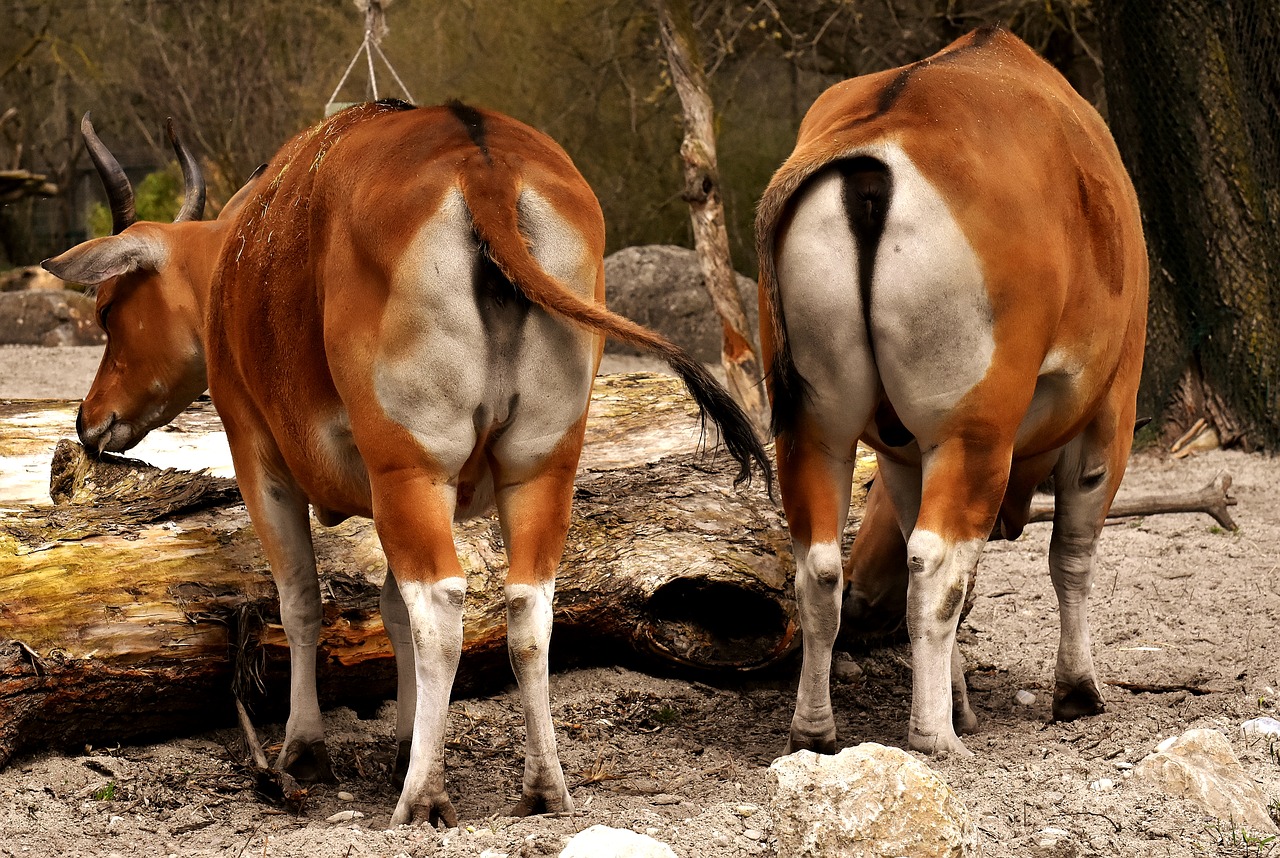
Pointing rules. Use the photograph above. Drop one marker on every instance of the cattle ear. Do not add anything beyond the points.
(100, 259)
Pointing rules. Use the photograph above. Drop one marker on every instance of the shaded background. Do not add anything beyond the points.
(1190, 90)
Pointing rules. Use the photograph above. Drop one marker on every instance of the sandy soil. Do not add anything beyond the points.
(1182, 609)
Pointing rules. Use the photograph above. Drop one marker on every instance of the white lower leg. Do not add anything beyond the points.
(939, 576)
(435, 618)
(529, 618)
(819, 590)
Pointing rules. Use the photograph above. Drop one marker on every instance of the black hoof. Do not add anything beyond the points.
(308, 763)
(817, 744)
(534, 805)
(1076, 701)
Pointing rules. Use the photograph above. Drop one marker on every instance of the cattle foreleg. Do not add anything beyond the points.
(1085, 480)
(278, 510)
(535, 519)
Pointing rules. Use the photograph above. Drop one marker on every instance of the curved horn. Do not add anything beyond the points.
(192, 179)
(119, 191)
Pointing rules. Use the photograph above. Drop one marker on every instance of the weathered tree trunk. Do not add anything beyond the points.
(706, 206)
(1193, 92)
(115, 626)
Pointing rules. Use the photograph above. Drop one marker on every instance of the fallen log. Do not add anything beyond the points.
(129, 610)
(1213, 500)
(121, 626)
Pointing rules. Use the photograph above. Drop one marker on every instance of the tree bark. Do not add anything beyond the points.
(118, 623)
(1193, 92)
(706, 206)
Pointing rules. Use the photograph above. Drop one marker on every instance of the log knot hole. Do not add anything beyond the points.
(717, 624)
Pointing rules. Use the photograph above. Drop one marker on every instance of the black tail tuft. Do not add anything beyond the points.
(735, 426)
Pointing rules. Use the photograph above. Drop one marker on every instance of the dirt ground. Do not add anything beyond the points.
(1185, 619)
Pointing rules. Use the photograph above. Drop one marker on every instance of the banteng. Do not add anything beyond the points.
(954, 271)
(400, 317)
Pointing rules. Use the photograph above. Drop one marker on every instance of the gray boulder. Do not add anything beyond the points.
(48, 317)
(867, 801)
(32, 277)
(660, 286)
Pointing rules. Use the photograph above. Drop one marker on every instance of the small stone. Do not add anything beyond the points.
(745, 810)
(752, 834)
(1122, 765)
(1261, 727)
(1024, 697)
(665, 798)
(346, 796)
(1051, 837)
(345, 816)
(601, 841)
(1103, 785)
(845, 669)
(652, 831)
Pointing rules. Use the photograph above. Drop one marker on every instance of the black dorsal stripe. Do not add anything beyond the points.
(893, 91)
(473, 121)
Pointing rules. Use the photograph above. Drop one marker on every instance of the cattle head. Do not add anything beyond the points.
(151, 281)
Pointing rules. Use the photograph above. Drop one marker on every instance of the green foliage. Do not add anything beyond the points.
(666, 714)
(1232, 838)
(106, 793)
(158, 197)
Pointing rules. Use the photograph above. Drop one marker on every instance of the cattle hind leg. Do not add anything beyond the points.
(535, 519)
(816, 490)
(395, 617)
(413, 513)
(820, 263)
(964, 481)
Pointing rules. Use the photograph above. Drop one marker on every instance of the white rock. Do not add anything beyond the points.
(868, 800)
(1200, 766)
(601, 841)
(1103, 785)
(345, 816)
(1261, 727)
(346, 796)
(752, 834)
(1024, 697)
(1048, 838)
(745, 809)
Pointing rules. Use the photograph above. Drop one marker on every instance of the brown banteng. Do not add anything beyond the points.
(401, 318)
(954, 271)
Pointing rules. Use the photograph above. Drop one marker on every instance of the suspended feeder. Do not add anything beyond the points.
(375, 30)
